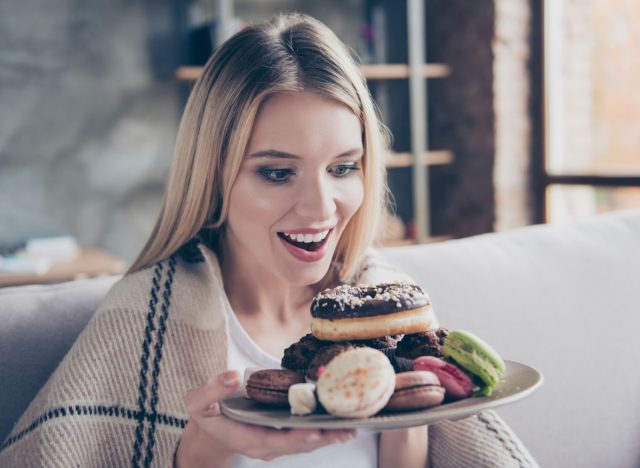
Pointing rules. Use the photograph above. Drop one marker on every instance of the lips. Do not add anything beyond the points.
(306, 239)
(306, 245)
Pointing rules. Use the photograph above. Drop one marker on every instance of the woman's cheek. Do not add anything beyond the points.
(352, 195)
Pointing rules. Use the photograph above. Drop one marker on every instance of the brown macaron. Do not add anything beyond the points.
(271, 386)
(416, 390)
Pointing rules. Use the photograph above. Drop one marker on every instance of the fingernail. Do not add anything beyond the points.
(315, 437)
(212, 410)
(230, 378)
(347, 437)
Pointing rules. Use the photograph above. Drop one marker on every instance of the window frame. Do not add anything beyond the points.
(542, 179)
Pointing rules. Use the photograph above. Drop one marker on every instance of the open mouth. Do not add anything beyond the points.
(308, 242)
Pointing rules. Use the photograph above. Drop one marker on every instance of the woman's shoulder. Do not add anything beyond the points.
(186, 288)
(135, 288)
(130, 290)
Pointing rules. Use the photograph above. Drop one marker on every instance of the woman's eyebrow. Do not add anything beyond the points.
(351, 152)
(273, 153)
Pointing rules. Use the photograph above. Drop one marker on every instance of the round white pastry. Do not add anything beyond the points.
(357, 383)
(302, 398)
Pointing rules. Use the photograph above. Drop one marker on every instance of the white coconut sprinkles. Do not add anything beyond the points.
(346, 297)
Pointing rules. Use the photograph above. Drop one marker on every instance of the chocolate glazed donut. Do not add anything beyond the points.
(370, 311)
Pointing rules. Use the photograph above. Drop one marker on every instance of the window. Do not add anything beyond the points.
(591, 107)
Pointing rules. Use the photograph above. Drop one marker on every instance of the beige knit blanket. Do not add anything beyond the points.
(117, 397)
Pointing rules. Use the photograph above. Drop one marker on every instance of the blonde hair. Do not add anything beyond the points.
(289, 53)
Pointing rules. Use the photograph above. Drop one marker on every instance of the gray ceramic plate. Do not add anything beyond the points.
(519, 381)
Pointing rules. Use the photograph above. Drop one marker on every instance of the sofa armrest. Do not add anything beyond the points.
(39, 325)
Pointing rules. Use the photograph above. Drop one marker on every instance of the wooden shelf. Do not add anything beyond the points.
(370, 72)
(399, 71)
(89, 262)
(430, 158)
(188, 73)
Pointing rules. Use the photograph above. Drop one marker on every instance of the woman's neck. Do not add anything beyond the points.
(255, 293)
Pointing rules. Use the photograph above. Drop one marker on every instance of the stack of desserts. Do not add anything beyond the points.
(372, 348)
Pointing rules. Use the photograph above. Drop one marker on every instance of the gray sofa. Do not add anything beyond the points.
(563, 298)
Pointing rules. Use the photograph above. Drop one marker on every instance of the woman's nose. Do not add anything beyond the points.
(316, 199)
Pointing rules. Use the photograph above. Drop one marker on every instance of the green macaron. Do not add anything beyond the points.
(476, 357)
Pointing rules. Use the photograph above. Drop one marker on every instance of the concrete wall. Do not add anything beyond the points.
(88, 116)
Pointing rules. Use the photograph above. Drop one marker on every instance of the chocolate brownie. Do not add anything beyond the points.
(427, 343)
(400, 364)
(323, 357)
(298, 356)
(382, 343)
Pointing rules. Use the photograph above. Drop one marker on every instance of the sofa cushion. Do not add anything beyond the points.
(39, 325)
(564, 299)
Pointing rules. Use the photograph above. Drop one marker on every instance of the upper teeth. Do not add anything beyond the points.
(308, 238)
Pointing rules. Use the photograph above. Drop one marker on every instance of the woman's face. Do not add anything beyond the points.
(299, 185)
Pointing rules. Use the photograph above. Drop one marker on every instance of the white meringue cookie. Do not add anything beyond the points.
(357, 383)
(302, 398)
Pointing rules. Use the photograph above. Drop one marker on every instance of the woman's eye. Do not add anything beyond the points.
(344, 169)
(275, 175)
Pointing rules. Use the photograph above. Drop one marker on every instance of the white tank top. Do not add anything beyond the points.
(360, 452)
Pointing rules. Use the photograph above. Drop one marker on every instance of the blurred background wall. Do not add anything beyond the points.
(89, 108)
(88, 115)
(90, 105)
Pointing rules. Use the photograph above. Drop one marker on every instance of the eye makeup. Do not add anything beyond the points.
(275, 175)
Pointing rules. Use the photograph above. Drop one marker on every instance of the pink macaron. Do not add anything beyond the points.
(416, 390)
(456, 383)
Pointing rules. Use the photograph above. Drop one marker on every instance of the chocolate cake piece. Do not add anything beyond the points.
(323, 356)
(381, 343)
(427, 343)
(298, 356)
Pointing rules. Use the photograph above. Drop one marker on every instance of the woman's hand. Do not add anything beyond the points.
(210, 439)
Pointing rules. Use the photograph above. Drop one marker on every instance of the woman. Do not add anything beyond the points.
(276, 191)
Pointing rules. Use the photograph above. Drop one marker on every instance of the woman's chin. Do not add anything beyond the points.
(307, 275)
(303, 273)
(306, 280)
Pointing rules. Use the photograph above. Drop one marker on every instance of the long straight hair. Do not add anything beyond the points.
(289, 53)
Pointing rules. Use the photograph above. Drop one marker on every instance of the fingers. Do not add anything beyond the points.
(288, 442)
(319, 436)
(315, 441)
(253, 441)
(203, 401)
(267, 443)
(304, 440)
